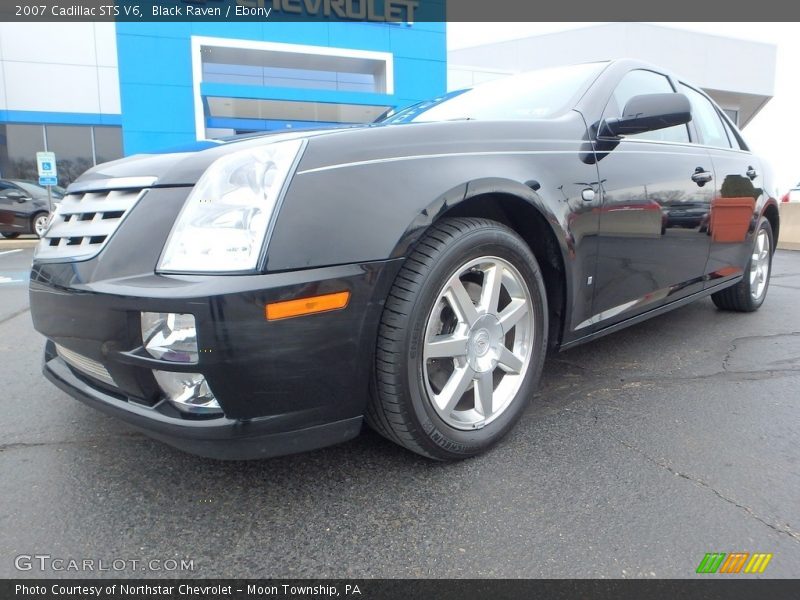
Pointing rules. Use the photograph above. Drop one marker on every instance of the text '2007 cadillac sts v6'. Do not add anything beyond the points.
(267, 295)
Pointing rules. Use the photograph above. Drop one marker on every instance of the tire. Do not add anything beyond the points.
(10, 236)
(35, 224)
(497, 362)
(748, 295)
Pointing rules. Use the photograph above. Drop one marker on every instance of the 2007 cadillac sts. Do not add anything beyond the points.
(268, 295)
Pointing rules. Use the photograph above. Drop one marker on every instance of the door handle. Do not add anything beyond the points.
(701, 176)
(751, 173)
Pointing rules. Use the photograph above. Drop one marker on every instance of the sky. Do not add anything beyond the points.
(774, 133)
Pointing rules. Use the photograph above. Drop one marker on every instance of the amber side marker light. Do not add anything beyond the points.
(307, 306)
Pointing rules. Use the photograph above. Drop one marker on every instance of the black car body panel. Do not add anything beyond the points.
(606, 213)
(392, 194)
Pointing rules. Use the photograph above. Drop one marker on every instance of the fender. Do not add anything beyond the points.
(774, 220)
(392, 182)
(389, 204)
(766, 201)
(456, 196)
(513, 195)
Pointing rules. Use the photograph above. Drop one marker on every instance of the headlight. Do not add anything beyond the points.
(224, 222)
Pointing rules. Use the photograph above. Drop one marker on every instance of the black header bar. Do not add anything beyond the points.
(396, 11)
(705, 587)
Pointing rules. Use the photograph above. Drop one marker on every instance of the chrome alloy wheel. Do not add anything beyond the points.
(40, 225)
(759, 265)
(478, 343)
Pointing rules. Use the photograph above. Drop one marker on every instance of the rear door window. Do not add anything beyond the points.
(733, 137)
(706, 120)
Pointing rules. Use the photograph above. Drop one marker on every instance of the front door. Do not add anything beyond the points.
(653, 238)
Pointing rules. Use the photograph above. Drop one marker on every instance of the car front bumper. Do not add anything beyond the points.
(284, 386)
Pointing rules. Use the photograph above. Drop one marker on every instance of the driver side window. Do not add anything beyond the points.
(641, 82)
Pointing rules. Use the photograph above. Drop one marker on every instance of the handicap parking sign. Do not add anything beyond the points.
(46, 162)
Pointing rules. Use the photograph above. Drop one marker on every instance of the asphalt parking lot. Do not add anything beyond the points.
(642, 452)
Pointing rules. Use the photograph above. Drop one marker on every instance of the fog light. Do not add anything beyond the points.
(170, 336)
(189, 392)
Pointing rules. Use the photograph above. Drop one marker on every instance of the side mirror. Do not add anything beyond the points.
(649, 112)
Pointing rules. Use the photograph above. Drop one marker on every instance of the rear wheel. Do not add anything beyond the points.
(10, 236)
(461, 342)
(749, 294)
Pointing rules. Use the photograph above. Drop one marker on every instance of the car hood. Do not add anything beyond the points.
(351, 144)
(184, 166)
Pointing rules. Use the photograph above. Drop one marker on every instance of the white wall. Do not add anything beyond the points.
(59, 67)
(465, 77)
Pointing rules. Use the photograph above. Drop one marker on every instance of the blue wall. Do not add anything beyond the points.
(155, 69)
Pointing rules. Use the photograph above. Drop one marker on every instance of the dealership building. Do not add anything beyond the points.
(92, 92)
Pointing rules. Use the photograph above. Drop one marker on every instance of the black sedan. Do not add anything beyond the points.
(270, 295)
(25, 207)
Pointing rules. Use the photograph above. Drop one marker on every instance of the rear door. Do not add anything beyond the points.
(737, 193)
(657, 189)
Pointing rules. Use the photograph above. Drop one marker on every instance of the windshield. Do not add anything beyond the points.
(532, 95)
(407, 114)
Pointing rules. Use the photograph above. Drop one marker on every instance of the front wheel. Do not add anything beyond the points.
(749, 294)
(461, 342)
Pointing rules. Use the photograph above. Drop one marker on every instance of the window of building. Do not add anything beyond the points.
(284, 110)
(732, 114)
(256, 65)
(640, 82)
(273, 66)
(73, 148)
(706, 120)
(77, 148)
(107, 144)
(18, 147)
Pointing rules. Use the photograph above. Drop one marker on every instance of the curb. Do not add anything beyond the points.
(15, 244)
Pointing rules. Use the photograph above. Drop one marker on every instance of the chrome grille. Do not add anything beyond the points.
(84, 221)
(85, 365)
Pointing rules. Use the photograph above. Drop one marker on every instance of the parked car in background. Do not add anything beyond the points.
(270, 295)
(24, 207)
(793, 195)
